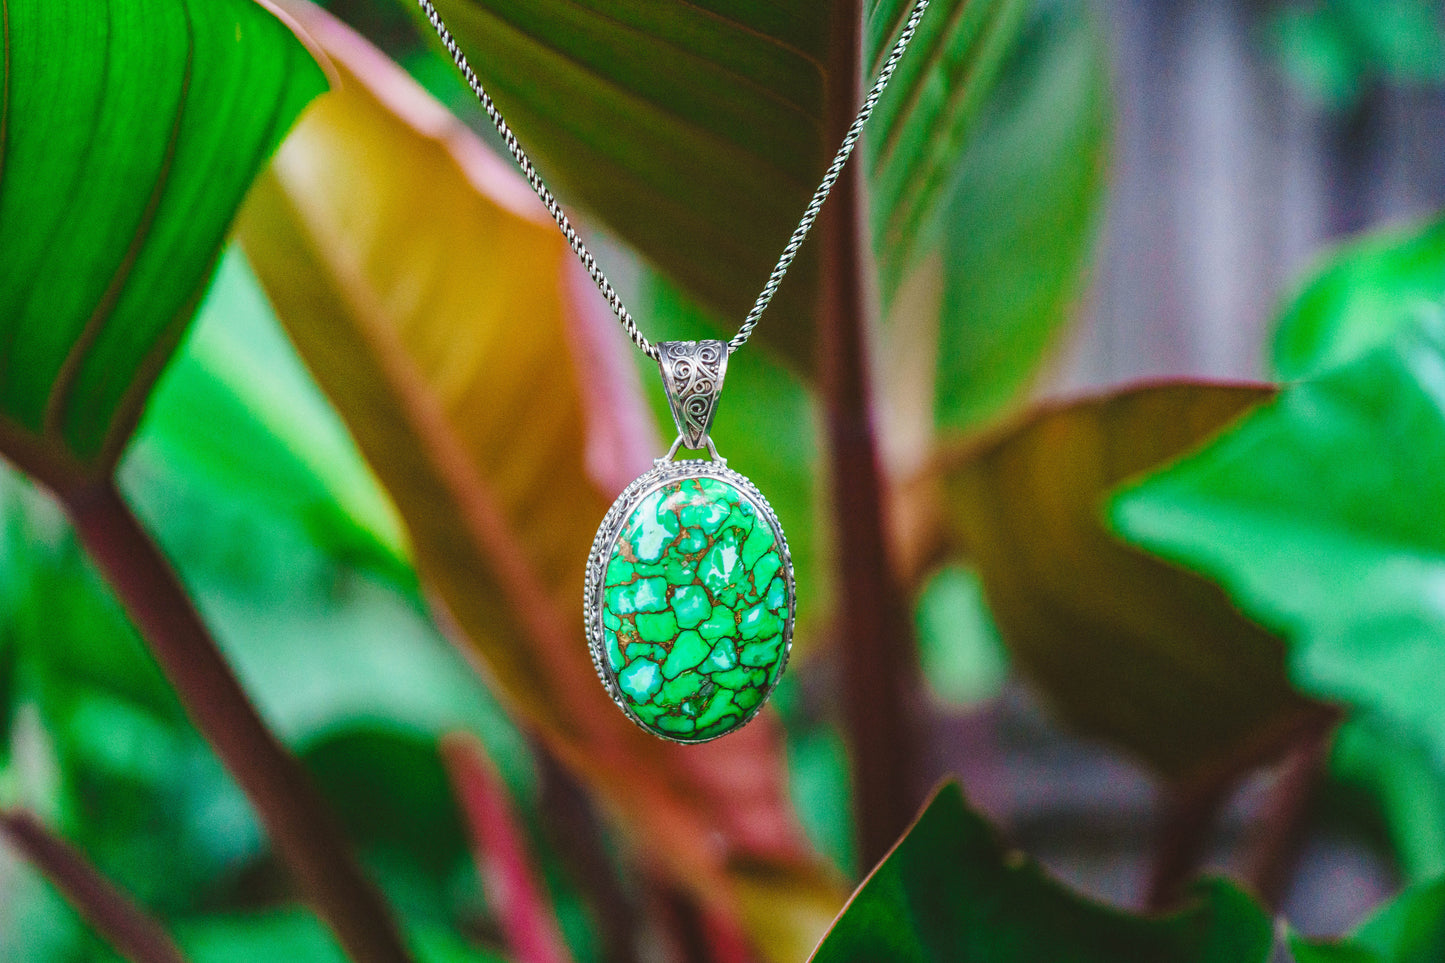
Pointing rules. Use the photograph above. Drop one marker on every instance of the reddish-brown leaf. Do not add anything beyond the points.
(1125, 646)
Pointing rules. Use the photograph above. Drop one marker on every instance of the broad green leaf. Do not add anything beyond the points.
(1018, 220)
(330, 639)
(950, 890)
(129, 131)
(1320, 515)
(440, 318)
(1126, 647)
(1338, 49)
(1364, 296)
(1406, 782)
(696, 131)
(1410, 929)
(928, 114)
(237, 412)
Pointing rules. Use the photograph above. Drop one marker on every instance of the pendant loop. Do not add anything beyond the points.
(692, 373)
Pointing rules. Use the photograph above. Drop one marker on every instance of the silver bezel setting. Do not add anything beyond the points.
(664, 473)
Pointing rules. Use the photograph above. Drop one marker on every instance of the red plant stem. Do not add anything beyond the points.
(119, 921)
(1188, 816)
(874, 631)
(575, 832)
(294, 814)
(1279, 831)
(690, 932)
(521, 904)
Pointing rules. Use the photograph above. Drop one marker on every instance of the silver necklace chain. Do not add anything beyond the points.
(795, 243)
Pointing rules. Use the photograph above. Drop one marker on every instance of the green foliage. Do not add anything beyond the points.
(928, 114)
(1310, 514)
(1407, 784)
(314, 607)
(696, 134)
(950, 891)
(1337, 49)
(962, 656)
(296, 937)
(1411, 929)
(1361, 296)
(1017, 221)
(124, 161)
(1111, 636)
(237, 413)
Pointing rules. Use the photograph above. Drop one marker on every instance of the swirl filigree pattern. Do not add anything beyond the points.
(693, 374)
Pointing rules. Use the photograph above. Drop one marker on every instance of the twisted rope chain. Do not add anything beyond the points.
(795, 243)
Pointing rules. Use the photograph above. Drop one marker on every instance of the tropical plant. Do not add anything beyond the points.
(311, 416)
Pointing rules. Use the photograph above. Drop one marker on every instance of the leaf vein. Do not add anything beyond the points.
(57, 403)
(703, 132)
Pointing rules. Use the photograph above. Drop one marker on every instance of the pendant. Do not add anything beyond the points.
(690, 600)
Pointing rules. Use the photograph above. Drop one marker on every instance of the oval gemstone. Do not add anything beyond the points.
(695, 605)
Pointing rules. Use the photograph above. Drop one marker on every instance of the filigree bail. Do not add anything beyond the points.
(692, 372)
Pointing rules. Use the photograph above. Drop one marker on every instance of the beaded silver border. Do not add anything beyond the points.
(666, 472)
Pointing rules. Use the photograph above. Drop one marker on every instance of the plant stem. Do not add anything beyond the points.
(873, 627)
(1280, 829)
(294, 814)
(119, 921)
(691, 932)
(1188, 816)
(575, 833)
(499, 843)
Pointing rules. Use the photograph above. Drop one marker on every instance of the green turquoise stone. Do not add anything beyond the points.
(695, 609)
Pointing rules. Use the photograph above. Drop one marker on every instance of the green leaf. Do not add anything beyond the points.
(693, 130)
(962, 656)
(929, 113)
(1113, 637)
(696, 131)
(1411, 929)
(1019, 217)
(237, 412)
(122, 162)
(1319, 514)
(1337, 49)
(272, 521)
(296, 936)
(1407, 786)
(950, 890)
(1363, 296)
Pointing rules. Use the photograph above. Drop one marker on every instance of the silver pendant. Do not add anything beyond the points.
(690, 598)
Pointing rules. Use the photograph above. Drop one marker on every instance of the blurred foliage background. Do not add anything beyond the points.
(1155, 367)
